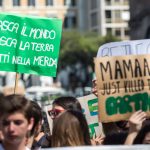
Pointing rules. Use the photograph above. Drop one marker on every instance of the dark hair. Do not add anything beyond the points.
(68, 103)
(142, 133)
(115, 138)
(73, 130)
(15, 103)
(36, 113)
(122, 125)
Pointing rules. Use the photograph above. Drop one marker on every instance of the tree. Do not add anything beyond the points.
(77, 47)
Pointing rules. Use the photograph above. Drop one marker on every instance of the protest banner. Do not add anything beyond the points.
(123, 86)
(89, 105)
(124, 48)
(29, 44)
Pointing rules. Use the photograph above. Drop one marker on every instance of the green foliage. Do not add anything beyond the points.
(81, 47)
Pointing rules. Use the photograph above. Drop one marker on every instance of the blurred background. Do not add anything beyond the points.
(87, 24)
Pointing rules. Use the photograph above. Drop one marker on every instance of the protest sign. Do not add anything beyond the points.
(124, 48)
(29, 44)
(89, 105)
(123, 86)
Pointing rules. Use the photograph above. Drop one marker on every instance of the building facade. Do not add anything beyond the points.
(101, 16)
(113, 17)
(66, 10)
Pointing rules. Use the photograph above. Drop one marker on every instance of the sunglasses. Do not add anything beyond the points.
(54, 113)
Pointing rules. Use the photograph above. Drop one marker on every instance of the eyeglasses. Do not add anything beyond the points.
(54, 113)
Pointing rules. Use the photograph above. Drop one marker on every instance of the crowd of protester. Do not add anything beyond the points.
(22, 125)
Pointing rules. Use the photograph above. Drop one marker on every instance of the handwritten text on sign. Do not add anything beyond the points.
(29, 44)
(123, 85)
(124, 48)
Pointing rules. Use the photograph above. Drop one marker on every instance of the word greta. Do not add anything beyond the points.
(127, 103)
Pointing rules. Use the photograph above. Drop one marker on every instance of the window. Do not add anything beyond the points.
(70, 2)
(108, 2)
(94, 19)
(70, 22)
(49, 2)
(117, 2)
(126, 32)
(117, 14)
(16, 2)
(31, 2)
(108, 16)
(1, 3)
(118, 32)
(109, 31)
(126, 2)
(93, 4)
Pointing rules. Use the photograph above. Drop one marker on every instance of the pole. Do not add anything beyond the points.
(16, 83)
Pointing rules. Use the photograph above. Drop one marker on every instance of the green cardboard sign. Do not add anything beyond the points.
(29, 44)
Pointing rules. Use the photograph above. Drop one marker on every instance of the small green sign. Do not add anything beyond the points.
(29, 44)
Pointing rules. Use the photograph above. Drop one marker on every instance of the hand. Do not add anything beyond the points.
(94, 88)
(97, 140)
(136, 120)
(135, 125)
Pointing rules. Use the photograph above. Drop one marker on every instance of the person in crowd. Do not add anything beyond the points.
(70, 129)
(129, 130)
(143, 137)
(110, 127)
(16, 121)
(62, 104)
(124, 128)
(135, 124)
(36, 113)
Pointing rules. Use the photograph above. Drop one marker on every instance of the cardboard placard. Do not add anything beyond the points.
(29, 44)
(123, 86)
(89, 105)
(124, 48)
